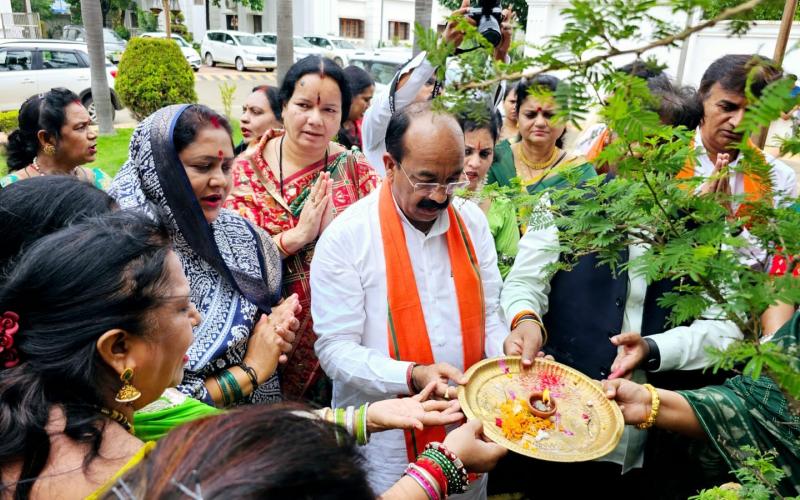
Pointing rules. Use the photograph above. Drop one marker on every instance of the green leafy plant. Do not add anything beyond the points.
(152, 74)
(690, 239)
(758, 477)
(226, 91)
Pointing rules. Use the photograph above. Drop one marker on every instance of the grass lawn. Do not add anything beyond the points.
(112, 151)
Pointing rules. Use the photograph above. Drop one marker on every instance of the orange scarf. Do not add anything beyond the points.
(755, 189)
(408, 334)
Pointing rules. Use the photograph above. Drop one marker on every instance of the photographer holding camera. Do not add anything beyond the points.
(416, 80)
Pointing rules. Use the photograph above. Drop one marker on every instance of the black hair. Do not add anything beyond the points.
(547, 83)
(492, 124)
(35, 207)
(731, 72)
(323, 67)
(273, 98)
(256, 451)
(46, 112)
(642, 69)
(676, 105)
(68, 289)
(193, 119)
(511, 85)
(358, 80)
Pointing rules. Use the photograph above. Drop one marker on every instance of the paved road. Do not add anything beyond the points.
(207, 84)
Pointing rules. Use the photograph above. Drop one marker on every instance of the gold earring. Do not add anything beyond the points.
(49, 149)
(127, 393)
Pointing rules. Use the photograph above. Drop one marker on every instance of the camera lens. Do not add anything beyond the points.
(490, 29)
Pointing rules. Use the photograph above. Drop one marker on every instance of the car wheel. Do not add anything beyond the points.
(88, 103)
(240, 64)
(210, 59)
(338, 61)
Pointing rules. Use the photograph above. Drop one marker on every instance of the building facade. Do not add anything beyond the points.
(368, 23)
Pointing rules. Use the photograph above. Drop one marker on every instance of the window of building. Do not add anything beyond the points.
(399, 30)
(351, 28)
(231, 22)
(257, 23)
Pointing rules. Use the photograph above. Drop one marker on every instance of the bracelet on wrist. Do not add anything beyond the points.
(655, 404)
(282, 248)
(412, 388)
(251, 374)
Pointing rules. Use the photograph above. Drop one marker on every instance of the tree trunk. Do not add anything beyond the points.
(167, 19)
(101, 96)
(422, 16)
(285, 32)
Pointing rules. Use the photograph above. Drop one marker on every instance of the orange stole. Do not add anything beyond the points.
(754, 188)
(408, 334)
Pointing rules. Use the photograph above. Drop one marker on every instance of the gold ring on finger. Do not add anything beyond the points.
(447, 393)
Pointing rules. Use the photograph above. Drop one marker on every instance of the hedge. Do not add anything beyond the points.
(153, 73)
(8, 121)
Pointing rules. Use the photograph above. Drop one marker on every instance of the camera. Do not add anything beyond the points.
(488, 18)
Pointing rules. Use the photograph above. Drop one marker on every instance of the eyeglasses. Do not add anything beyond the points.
(428, 188)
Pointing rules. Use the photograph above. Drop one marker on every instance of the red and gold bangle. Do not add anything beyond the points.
(435, 470)
(523, 313)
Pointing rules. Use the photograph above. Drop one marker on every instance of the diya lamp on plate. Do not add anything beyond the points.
(541, 404)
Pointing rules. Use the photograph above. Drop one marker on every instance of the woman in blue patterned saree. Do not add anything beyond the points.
(179, 170)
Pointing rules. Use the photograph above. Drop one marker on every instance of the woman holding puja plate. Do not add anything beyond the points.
(292, 185)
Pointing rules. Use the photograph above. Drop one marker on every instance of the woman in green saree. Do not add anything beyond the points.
(741, 412)
(479, 142)
(537, 159)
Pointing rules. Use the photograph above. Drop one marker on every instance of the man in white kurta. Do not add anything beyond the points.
(349, 290)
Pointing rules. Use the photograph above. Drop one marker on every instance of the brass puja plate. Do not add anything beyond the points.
(586, 425)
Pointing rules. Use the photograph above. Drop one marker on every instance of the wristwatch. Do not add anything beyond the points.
(653, 361)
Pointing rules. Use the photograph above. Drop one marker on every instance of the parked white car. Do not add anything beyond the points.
(381, 66)
(337, 48)
(191, 55)
(29, 67)
(241, 50)
(302, 48)
(113, 43)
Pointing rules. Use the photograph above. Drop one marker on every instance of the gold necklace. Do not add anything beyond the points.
(117, 417)
(537, 165)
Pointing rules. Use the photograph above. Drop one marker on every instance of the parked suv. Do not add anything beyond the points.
(191, 55)
(114, 45)
(241, 50)
(29, 67)
(337, 48)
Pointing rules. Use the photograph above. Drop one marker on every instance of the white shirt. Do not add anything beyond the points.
(349, 307)
(682, 348)
(377, 117)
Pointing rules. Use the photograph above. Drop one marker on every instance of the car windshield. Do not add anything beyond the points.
(180, 41)
(381, 72)
(300, 42)
(111, 37)
(250, 40)
(343, 44)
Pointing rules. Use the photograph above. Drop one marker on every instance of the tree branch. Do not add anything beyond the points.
(683, 35)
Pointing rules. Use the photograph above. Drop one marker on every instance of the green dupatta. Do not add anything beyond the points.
(503, 170)
(748, 412)
(172, 409)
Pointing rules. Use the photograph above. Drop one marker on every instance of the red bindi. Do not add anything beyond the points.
(479, 145)
(220, 154)
(318, 99)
